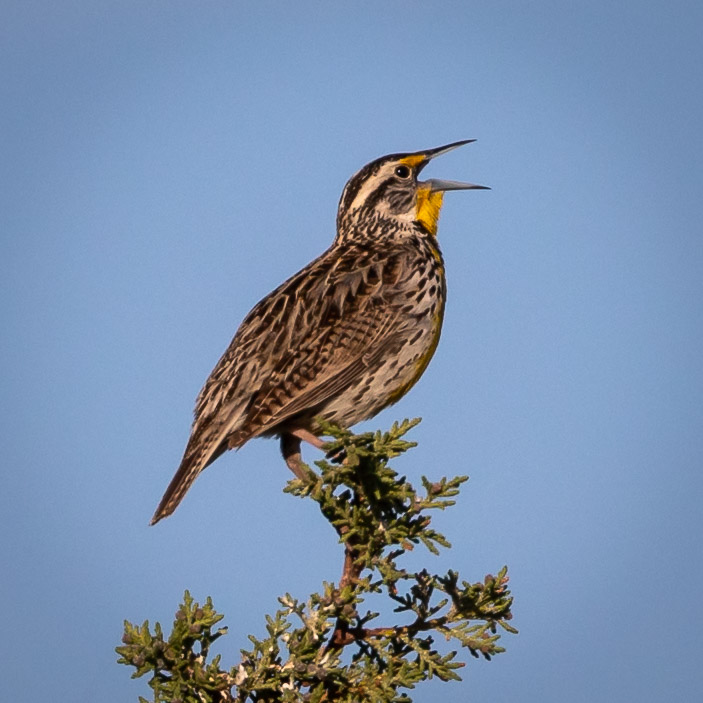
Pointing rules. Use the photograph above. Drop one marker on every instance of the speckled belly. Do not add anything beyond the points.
(391, 377)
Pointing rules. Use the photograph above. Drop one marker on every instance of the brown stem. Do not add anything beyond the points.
(351, 571)
(345, 636)
(350, 574)
(417, 626)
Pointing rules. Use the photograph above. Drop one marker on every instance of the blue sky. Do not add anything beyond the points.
(166, 164)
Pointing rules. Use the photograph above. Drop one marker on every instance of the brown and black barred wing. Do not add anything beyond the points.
(300, 346)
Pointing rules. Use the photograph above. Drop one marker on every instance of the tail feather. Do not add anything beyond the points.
(213, 434)
(193, 462)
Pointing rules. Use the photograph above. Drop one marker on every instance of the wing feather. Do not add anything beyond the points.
(300, 346)
(332, 322)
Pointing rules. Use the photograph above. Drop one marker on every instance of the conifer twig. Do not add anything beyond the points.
(379, 517)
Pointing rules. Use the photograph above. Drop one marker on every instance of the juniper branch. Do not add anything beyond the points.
(379, 517)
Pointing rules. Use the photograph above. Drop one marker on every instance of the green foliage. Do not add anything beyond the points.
(329, 648)
(179, 664)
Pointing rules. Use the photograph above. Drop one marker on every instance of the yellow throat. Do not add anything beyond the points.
(427, 208)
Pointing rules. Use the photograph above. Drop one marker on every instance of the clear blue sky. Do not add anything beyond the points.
(165, 164)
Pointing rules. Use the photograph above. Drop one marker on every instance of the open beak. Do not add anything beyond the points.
(435, 184)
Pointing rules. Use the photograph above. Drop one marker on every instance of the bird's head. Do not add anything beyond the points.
(388, 189)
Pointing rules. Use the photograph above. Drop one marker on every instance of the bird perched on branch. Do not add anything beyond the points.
(344, 337)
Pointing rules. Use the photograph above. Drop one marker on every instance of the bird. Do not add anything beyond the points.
(340, 340)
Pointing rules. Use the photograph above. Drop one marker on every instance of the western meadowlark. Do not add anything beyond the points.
(344, 337)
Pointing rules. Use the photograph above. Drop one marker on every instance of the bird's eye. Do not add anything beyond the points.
(402, 172)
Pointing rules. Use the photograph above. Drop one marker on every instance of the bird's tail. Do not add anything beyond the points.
(194, 461)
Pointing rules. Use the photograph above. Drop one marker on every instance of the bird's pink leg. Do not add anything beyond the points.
(290, 448)
(308, 437)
